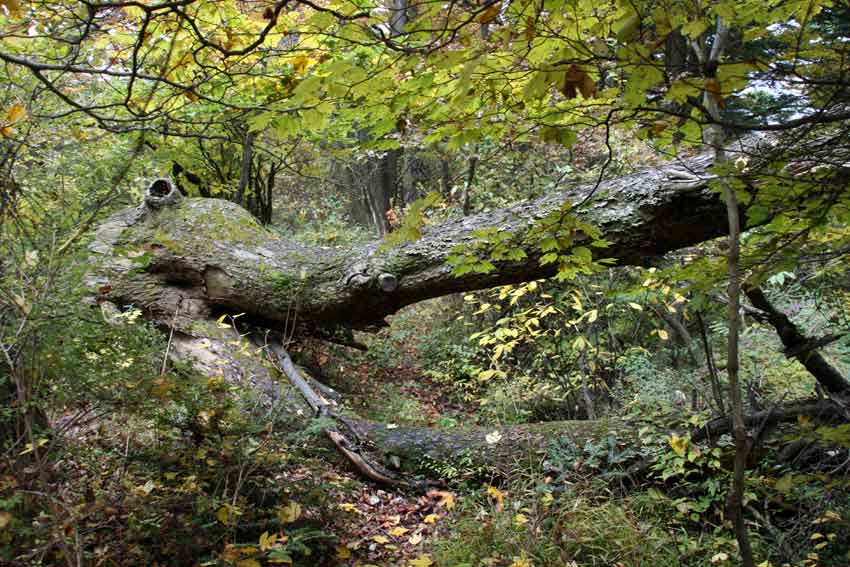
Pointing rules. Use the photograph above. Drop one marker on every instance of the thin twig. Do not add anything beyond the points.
(168, 345)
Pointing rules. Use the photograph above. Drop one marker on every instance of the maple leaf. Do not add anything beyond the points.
(576, 80)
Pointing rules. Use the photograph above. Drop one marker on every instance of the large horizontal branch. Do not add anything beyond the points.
(208, 255)
(794, 341)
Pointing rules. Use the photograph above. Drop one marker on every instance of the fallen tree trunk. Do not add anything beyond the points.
(191, 263)
(206, 256)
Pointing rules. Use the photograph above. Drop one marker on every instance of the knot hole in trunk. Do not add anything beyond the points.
(161, 193)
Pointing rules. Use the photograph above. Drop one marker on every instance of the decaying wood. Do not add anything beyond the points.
(821, 410)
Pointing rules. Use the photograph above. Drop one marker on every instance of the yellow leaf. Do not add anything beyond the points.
(6, 132)
(421, 561)
(520, 520)
(495, 494)
(521, 562)
(223, 514)
(447, 499)
(663, 334)
(248, 563)
(398, 531)
(431, 519)
(828, 516)
(342, 552)
(785, 484)
(289, 513)
(547, 498)
(5, 519)
(302, 63)
(415, 539)
(267, 541)
(679, 445)
(380, 539)
(349, 507)
(635, 306)
(16, 114)
(30, 447)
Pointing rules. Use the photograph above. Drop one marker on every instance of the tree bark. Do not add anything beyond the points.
(213, 257)
(203, 258)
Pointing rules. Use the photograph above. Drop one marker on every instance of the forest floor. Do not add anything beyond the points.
(130, 491)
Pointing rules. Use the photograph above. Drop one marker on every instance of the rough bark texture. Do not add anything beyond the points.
(206, 256)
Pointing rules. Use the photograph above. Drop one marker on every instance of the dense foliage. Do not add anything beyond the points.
(333, 121)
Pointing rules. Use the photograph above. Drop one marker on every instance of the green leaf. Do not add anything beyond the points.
(548, 258)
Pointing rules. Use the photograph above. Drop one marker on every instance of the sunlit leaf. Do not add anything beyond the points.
(679, 444)
(289, 513)
(421, 561)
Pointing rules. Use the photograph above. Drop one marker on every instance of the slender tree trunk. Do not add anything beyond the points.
(716, 391)
(736, 496)
(467, 186)
(710, 59)
(445, 177)
(245, 167)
